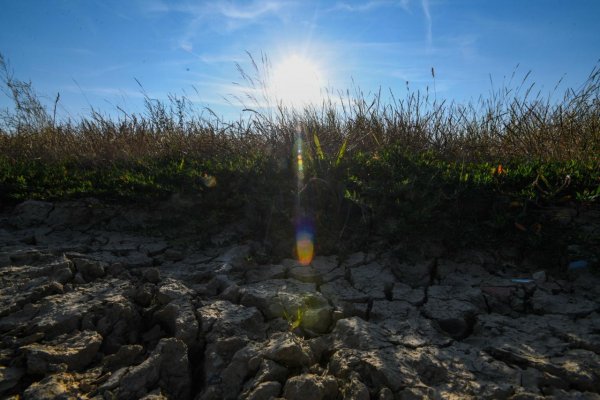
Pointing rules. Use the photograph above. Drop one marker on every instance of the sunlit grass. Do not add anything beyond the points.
(369, 166)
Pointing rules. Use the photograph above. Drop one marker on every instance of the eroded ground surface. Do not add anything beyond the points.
(88, 311)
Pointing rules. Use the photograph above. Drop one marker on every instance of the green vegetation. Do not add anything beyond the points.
(374, 170)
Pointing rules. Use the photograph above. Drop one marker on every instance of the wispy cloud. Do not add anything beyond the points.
(223, 17)
(106, 70)
(427, 14)
(103, 91)
(78, 50)
(368, 6)
(250, 11)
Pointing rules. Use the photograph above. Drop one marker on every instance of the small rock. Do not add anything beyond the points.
(355, 389)
(310, 387)
(78, 279)
(287, 349)
(222, 319)
(31, 213)
(167, 366)
(268, 371)
(570, 305)
(126, 355)
(152, 275)
(265, 391)
(90, 269)
(173, 255)
(372, 279)
(539, 276)
(305, 274)
(9, 377)
(385, 394)
(415, 275)
(266, 272)
(180, 319)
(76, 351)
(49, 388)
(172, 289)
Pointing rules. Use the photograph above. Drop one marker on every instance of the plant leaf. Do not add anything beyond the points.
(318, 147)
(341, 152)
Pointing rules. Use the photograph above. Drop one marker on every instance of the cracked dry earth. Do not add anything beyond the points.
(89, 311)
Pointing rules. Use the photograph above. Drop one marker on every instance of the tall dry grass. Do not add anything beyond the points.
(512, 123)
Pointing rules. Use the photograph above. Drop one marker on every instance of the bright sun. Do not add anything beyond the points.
(296, 82)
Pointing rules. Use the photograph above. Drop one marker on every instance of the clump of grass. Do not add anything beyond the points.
(373, 166)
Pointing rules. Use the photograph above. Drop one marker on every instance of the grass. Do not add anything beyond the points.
(374, 169)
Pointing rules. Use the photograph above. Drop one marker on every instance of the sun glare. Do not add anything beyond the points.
(296, 82)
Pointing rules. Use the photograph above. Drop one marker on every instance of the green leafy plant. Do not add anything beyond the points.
(294, 321)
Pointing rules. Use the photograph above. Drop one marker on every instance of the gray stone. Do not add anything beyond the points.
(450, 273)
(415, 275)
(280, 298)
(90, 269)
(453, 311)
(385, 394)
(9, 377)
(173, 255)
(152, 275)
(354, 389)
(340, 290)
(384, 309)
(266, 272)
(180, 319)
(539, 276)
(167, 367)
(226, 373)
(172, 289)
(327, 268)
(31, 213)
(49, 388)
(76, 351)
(310, 387)
(153, 248)
(387, 367)
(414, 332)
(565, 304)
(223, 319)
(305, 273)
(288, 350)
(372, 279)
(268, 371)
(356, 259)
(358, 334)
(265, 391)
(236, 256)
(404, 292)
(126, 356)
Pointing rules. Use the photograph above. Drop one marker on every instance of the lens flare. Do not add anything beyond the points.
(305, 247)
(300, 164)
(305, 244)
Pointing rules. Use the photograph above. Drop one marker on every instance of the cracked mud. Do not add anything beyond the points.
(90, 311)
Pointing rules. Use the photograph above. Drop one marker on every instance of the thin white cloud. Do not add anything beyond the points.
(186, 46)
(154, 6)
(103, 91)
(427, 13)
(251, 11)
(78, 50)
(223, 17)
(368, 6)
(221, 58)
(106, 70)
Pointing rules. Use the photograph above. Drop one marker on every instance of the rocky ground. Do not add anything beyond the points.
(89, 309)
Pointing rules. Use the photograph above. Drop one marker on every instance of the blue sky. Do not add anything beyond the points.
(92, 51)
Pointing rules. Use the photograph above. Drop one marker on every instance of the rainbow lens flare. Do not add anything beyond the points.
(305, 243)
